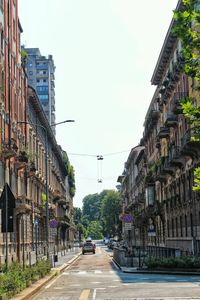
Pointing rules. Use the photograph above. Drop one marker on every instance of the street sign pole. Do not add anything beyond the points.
(6, 219)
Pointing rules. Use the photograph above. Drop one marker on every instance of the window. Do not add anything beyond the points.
(186, 230)
(181, 226)
(14, 29)
(176, 224)
(1, 5)
(172, 227)
(42, 88)
(191, 224)
(2, 40)
(30, 72)
(43, 97)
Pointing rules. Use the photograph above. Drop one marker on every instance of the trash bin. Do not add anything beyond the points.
(55, 257)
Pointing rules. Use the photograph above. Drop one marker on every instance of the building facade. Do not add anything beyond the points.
(40, 71)
(36, 202)
(171, 214)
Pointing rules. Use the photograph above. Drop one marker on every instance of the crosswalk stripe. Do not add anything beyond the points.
(97, 271)
(84, 295)
(82, 272)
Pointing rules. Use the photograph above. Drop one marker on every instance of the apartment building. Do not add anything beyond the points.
(171, 214)
(35, 196)
(40, 71)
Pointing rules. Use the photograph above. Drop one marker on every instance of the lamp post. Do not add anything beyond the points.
(66, 121)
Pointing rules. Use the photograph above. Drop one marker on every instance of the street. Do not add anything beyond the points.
(94, 277)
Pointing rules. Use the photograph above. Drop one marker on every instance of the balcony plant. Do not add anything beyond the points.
(187, 30)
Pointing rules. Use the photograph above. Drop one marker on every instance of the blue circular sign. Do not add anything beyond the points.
(127, 218)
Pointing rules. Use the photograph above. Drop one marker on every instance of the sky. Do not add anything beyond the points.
(105, 52)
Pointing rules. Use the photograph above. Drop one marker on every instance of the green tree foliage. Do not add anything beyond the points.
(187, 29)
(95, 230)
(71, 180)
(94, 210)
(70, 172)
(110, 209)
(77, 215)
(91, 207)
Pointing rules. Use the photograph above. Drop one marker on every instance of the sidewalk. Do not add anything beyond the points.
(65, 259)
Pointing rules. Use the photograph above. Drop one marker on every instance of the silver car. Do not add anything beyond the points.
(88, 247)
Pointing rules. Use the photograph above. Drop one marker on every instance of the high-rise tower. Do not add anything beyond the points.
(40, 70)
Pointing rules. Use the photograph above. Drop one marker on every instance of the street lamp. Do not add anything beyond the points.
(66, 121)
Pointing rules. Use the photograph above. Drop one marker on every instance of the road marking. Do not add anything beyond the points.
(96, 282)
(50, 284)
(84, 295)
(94, 294)
(97, 271)
(112, 286)
(75, 285)
(81, 272)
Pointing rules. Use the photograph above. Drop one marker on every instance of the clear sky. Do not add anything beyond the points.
(105, 52)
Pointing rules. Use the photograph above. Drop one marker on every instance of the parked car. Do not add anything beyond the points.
(88, 247)
(106, 241)
(112, 243)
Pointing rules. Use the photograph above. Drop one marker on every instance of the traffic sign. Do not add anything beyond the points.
(127, 218)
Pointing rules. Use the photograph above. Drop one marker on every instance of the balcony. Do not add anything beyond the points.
(164, 170)
(164, 133)
(175, 157)
(170, 120)
(21, 160)
(22, 207)
(189, 145)
(62, 200)
(9, 148)
(176, 102)
(154, 115)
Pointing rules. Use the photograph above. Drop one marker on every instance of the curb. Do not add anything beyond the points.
(143, 271)
(35, 287)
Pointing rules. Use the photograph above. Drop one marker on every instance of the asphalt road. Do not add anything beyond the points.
(95, 277)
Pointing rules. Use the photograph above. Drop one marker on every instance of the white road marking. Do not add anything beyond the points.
(97, 271)
(117, 280)
(94, 294)
(96, 282)
(111, 272)
(65, 273)
(81, 272)
(75, 285)
(112, 286)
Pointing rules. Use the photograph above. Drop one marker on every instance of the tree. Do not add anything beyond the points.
(187, 30)
(94, 230)
(91, 207)
(77, 215)
(110, 209)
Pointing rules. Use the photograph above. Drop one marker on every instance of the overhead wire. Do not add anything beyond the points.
(99, 161)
